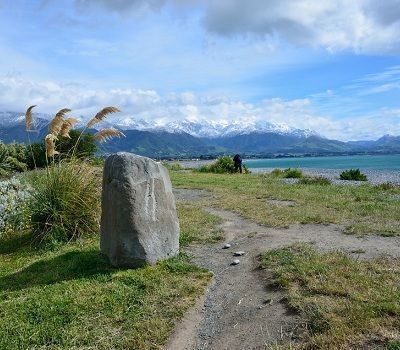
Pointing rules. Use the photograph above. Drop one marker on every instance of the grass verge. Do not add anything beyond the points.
(348, 304)
(197, 225)
(364, 209)
(72, 298)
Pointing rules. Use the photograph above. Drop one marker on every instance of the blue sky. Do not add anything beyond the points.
(330, 66)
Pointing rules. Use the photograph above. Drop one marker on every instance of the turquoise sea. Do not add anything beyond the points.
(373, 162)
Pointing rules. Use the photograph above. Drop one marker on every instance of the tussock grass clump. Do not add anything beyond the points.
(315, 180)
(277, 172)
(173, 166)
(65, 202)
(353, 174)
(348, 304)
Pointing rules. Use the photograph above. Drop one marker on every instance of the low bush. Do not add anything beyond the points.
(65, 202)
(292, 173)
(222, 165)
(353, 174)
(317, 180)
(173, 166)
(277, 172)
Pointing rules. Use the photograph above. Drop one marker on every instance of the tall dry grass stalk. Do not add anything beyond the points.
(67, 126)
(50, 141)
(102, 115)
(57, 122)
(107, 134)
(28, 118)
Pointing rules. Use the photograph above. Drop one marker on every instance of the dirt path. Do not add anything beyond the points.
(241, 310)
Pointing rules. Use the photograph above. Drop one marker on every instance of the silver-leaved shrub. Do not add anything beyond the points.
(14, 197)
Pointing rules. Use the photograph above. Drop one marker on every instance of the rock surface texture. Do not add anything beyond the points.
(139, 223)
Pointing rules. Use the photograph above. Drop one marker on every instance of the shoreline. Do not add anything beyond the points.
(374, 176)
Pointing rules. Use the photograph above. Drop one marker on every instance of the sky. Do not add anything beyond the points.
(332, 66)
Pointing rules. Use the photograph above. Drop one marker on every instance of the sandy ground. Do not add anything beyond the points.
(241, 309)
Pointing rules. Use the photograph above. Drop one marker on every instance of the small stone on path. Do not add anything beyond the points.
(238, 253)
(235, 262)
(226, 246)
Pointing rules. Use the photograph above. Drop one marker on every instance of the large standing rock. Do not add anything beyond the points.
(138, 221)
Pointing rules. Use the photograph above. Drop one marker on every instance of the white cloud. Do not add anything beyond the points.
(17, 93)
(364, 26)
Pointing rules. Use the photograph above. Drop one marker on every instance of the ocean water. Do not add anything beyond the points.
(373, 162)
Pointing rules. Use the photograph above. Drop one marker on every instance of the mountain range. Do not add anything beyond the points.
(203, 138)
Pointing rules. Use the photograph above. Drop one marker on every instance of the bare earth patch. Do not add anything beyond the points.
(241, 309)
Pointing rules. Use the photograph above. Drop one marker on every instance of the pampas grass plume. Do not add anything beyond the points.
(102, 115)
(107, 134)
(50, 140)
(28, 118)
(67, 126)
(57, 122)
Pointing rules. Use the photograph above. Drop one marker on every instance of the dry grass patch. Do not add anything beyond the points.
(348, 304)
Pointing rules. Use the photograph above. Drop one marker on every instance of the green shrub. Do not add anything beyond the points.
(222, 165)
(65, 202)
(78, 144)
(353, 174)
(292, 173)
(317, 180)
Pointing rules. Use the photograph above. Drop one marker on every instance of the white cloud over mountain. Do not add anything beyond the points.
(17, 93)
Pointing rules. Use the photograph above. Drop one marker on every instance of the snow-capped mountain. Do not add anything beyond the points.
(201, 128)
(14, 119)
(213, 129)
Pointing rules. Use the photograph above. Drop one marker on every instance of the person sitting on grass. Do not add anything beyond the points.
(238, 163)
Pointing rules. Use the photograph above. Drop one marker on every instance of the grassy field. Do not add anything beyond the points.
(364, 209)
(70, 297)
(348, 304)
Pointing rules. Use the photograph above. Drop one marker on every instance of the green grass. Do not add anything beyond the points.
(72, 298)
(364, 209)
(348, 304)
(197, 225)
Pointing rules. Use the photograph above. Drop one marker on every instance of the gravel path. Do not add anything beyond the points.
(241, 309)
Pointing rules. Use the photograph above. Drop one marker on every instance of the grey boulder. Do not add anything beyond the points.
(139, 224)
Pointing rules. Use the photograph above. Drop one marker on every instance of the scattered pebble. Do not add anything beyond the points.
(238, 253)
(235, 262)
(226, 246)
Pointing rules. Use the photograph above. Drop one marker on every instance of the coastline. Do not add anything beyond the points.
(374, 176)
